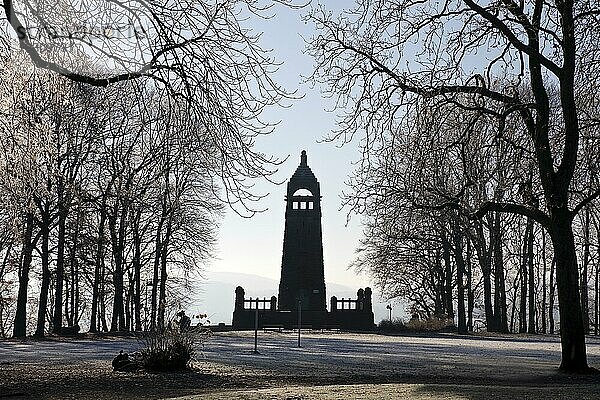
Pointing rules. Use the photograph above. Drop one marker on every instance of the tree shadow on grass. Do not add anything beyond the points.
(587, 391)
(98, 381)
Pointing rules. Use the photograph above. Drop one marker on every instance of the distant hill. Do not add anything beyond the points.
(216, 294)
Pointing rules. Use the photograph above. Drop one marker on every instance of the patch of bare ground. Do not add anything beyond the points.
(96, 380)
(327, 366)
(396, 391)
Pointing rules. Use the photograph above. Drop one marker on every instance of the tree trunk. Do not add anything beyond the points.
(3, 332)
(155, 271)
(544, 289)
(57, 320)
(523, 276)
(118, 243)
(137, 266)
(163, 276)
(94, 320)
(596, 298)
(585, 312)
(158, 244)
(438, 285)
(74, 272)
(460, 268)
(500, 307)
(597, 284)
(67, 315)
(20, 325)
(531, 328)
(128, 303)
(43, 304)
(551, 295)
(448, 277)
(470, 292)
(102, 299)
(513, 310)
(485, 263)
(572, 332)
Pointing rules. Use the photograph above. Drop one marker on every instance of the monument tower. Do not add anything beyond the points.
(302, 284)
(302, 275)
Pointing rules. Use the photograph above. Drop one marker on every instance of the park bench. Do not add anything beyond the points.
(273, 328)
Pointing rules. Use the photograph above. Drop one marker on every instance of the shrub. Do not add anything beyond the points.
(434, 324)
(396, 325)
(168, 351)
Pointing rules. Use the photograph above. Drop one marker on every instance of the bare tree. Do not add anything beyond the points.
(551, 47)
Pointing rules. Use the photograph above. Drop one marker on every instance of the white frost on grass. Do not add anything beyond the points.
(477, 358)
(463, 357)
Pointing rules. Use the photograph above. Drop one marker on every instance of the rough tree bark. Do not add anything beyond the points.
(485, 263)
(597, 283)
(470, 291)
(45, 256)
(574, 356)
(531, 324)
(552, 284)
(137, 268)
(20, 324)
(155, 274)
(162, 301)
(585, 313)
(500, 307)
(544, 287)
(523, 277)
(117, 223)
(448, 277)
(57, 319)
(98, 277)
(460, 268)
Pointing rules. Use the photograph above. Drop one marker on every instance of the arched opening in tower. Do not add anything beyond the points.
(303, 192)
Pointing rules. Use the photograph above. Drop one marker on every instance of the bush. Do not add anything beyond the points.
(434, 324)
(168, 351)
(396, 325)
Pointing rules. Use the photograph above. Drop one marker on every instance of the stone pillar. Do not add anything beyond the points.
(333, 304)
(360, 300)
(368, 299)
(239, 298)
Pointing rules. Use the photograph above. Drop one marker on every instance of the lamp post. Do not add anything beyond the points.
(389, 307)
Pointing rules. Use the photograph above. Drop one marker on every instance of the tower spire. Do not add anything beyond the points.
(303, 157)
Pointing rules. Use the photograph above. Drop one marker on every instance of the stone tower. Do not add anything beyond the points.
(302, 276)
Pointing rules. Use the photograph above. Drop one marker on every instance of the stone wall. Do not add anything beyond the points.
(358, 317)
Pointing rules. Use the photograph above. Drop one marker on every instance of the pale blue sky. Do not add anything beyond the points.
(254, 245)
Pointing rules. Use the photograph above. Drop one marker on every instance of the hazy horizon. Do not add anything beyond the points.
(255, 244)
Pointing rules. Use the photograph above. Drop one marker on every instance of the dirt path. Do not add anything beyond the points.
(396, 391)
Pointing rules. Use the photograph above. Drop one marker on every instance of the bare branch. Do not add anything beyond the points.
(513, 39)
(520, 209)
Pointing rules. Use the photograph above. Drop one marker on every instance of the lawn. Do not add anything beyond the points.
(327, 366)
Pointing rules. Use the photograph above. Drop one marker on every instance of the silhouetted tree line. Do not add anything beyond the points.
(110, 206)
(119, 152)
(478, 127)
(498, 274)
